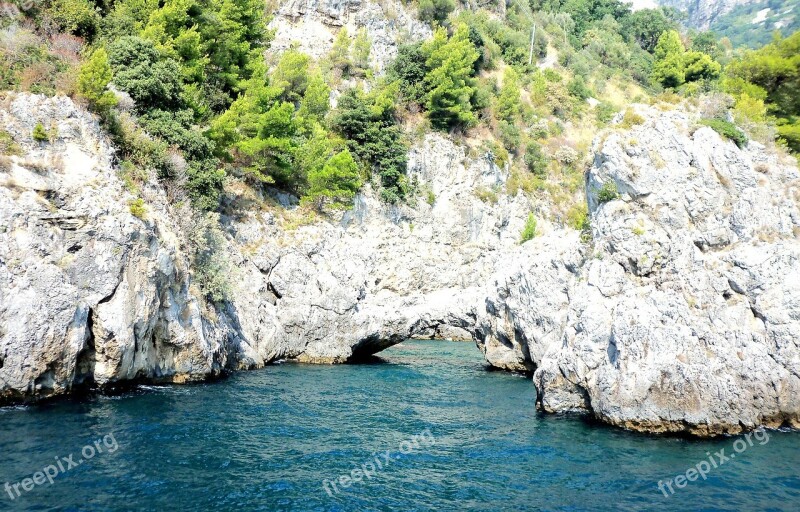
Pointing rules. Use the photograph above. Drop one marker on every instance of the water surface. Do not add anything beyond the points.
(267, 439)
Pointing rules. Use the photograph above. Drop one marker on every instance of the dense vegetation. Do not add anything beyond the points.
(185, 90)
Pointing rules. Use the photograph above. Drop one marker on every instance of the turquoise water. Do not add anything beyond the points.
(267, 439)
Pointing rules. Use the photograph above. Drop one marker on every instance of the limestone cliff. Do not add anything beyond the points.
(681, 315)
(702, 13)
(686, 313)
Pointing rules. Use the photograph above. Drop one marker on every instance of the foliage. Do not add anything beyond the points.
(535, 159)
(604, 112)
(75, 16)
(727, 130)
(435, 11)
(668, 67)
(700, 66)
(578, 217)
(738, 28)
(93, 79)
(409, 70)
(291, 75)
(450, 80)
(136, 207)
(577, 88)
(7, 144)
(316, 100)
(362, 46)
(529, 231)
(508, 101)
(631, 119)
(790, 133)
(645, 26)
(674, 66)
(260, 129)
(39, 133)
(608, 192)
(139, 70)
(584, 12)
(340, 52)
(335, 182)
(211, 266)
(772, 73)
(367, 123)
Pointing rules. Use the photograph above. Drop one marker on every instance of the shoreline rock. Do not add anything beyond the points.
(680, 317)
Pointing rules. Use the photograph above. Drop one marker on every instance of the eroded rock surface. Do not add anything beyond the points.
(313, 25)
(681, 314)
(686, 314)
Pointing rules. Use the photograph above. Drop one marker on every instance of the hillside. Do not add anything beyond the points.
(748, 23)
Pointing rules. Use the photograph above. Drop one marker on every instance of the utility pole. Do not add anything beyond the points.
(533, 37)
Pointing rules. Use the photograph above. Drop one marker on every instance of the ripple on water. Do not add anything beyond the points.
(266, 440)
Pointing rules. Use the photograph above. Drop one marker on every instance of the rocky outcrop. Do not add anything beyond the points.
(93, 295)
(89, 294)
(702, 13)
(686, 314)
(681, 315)
(312, 25)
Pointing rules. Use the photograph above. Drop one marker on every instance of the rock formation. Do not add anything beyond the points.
(313, 24)
(702, 13)
(686, 314)
(681, 314)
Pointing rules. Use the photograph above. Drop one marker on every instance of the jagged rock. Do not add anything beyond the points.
(702, 13)
(312, 25)
(683, 314)
(89, 294)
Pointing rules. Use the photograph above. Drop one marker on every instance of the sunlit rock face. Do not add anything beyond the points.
(681, 313)
(686, 313)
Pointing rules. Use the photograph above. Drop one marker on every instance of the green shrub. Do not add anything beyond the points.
(608, 192)
(727, 130)
(93, 79)
(76, 16)
(435, 11)
(375, 138)
(212, 269)
(535, 160)
(578, 217)
(577, 87)
(604, 112)
(335, 183)
(487, 195)
(409, 68)
(152, 81)
(136, 207)
(39, 133)
(529, 231)
(430, 197)
(7, 144)
(631, 119)
(790, 133)
(450, 81)
(510, 135)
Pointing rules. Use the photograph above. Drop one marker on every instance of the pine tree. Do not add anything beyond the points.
(362, 46)
(337, 181)
(668, 68)
(450, 80)
(508, 101)
(93, 80)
